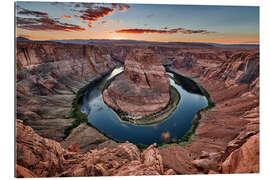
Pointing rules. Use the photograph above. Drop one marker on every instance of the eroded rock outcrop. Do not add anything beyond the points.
(245, 159)
(49, 75)
(143, 89)
(208, 162)
(40, 157)
(232, 80)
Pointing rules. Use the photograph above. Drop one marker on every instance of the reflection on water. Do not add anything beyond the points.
(174, 127)
(165, 135)
(93, 101)
(186, 84)
(115, 72)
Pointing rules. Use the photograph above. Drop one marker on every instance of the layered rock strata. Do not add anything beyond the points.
(245, 159)
(49, 75)
(233, 83)
(42, 157)
(143, 88)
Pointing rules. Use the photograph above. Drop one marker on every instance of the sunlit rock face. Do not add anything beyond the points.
(142, 89)
(41, 157)
(145, 70)
(48, 76)
(244, 159)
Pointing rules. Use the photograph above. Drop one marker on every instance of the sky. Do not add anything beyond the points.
(148, 22)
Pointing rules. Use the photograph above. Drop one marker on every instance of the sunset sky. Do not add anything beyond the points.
(63, 20)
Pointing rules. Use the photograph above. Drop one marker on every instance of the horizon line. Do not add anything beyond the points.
(258, 43)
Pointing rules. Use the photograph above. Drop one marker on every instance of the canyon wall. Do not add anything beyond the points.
(49, 75)
(232, 79)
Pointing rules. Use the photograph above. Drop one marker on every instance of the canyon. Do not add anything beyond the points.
(49, 75)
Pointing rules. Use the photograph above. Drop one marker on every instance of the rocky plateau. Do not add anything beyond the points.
(49, 74)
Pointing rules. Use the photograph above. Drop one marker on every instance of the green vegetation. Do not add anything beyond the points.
(141, 146)
(79, 116)
(195, 121)
(76, 111)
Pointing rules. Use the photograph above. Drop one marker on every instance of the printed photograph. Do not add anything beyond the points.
(115, 89)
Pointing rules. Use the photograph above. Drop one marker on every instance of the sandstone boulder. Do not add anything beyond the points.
(22, 172)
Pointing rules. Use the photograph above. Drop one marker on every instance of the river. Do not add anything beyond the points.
(173, 127)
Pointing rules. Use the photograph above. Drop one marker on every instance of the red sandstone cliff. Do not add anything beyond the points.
(245, 159)
(143, 89)
(49, 75)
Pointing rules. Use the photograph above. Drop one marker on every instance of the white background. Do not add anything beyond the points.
(7, 87)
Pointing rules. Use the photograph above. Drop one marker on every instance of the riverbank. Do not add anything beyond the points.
(196, 121)
(221, 130)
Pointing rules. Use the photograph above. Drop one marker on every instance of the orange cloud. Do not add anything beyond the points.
(170, 31)
(120, 7)
(66, 16)
(124, 7)
(93, 13)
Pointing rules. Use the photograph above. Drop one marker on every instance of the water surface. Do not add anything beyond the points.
(173, 127)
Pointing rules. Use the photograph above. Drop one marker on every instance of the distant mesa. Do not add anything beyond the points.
(22, 39)
(125, 42)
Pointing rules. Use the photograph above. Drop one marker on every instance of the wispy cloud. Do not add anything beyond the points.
(66, 16)
(40, 21)
(163, 31)
(23, 11)
(46, 24)
(88, 12)
(150, 15)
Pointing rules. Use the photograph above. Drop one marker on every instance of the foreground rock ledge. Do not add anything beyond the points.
(41, 157)
(143, 88)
